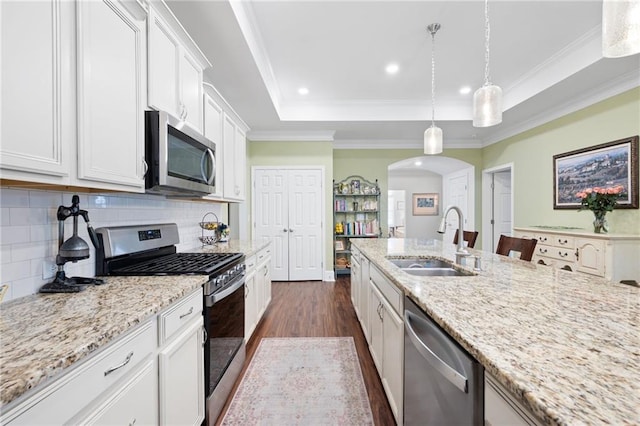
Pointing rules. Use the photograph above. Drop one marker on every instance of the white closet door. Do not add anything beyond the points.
(271, 218)
(288, 211)
(305, 225)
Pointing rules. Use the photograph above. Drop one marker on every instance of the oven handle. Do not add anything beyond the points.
(212, 299)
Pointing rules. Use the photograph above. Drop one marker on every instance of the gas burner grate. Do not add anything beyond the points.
(180, 264)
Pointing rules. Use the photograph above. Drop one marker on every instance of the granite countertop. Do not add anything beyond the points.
(567, 345)
(43, 334)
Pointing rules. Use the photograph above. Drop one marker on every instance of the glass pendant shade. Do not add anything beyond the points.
(433, 140)
(487, 106)
(620, 28)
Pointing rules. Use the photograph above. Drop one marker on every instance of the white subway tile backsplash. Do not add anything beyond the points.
(14, 197)
(15, 271)
(47, 199)
(28, 216)
(28, 251)
(14, 234)
(29, 229)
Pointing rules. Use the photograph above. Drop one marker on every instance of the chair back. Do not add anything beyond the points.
(469, 236)
(525, 246)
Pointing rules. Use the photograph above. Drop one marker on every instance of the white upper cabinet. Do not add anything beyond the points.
(37, 84)
(111, 87)
(213, 122)
(235, 160)
(73, 89)
(175, 68)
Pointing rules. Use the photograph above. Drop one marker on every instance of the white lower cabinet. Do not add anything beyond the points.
(257, 289)
(133, 404)
(250, 298)
(356, 281)
(134, 380)
(501, 409)
(181, 371)
(387, 338)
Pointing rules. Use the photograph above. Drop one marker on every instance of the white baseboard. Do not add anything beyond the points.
(329, 276)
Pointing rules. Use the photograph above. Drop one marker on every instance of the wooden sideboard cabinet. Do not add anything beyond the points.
(611, 256)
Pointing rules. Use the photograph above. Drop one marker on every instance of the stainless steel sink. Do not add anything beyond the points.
(417, 262)
(428, 267)
(436, 272)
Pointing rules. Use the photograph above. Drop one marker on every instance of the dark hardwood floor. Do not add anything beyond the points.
(319, 309)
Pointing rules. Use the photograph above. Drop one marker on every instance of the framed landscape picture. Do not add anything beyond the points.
(425, 204)
(609, 164)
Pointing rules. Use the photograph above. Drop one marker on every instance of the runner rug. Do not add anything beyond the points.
(302, 381)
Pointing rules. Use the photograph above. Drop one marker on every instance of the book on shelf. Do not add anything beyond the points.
(360, 228)
(342, 205)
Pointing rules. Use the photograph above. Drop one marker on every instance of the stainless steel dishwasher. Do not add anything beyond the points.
(443, 384)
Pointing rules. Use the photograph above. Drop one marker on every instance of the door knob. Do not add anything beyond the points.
(290, 230)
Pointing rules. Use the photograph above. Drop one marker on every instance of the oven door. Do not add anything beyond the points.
(225, 346)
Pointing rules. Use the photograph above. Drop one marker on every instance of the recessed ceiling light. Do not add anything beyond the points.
(418, 163)
(392, 68)
(465, 90)
(303, 91)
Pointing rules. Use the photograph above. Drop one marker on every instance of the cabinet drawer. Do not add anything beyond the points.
(563, 241)
(390, 291)
(134, 403)
(250, 263)
(564, 254)
(58, 403)
(263, 255)
(179, 315)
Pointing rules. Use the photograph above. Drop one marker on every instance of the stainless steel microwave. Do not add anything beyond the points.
(181, 161)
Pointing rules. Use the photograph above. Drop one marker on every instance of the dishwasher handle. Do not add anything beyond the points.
(457, 379)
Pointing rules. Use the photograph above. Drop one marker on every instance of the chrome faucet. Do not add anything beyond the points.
(461, 251)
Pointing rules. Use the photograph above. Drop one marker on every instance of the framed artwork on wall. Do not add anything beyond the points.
(425, 204)
(601, 166)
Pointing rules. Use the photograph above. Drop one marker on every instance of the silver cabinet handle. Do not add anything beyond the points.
(188, 313)
(563, 254)
(457, 379)
(145, 167)
(543, 250)
(206, 336)
(266, 270)
(562, 241)
(132, 422)
(290, 230)
(285, 230)
(117, 367)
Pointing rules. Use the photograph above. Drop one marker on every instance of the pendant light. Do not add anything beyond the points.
(487, 100)
(433, 135)
(620, 28)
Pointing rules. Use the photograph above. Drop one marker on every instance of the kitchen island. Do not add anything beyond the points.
(566, 345)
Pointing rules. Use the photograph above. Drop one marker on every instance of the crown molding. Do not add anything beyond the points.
(291, 136)
(612, 88)
(401, 144)
(245, 15)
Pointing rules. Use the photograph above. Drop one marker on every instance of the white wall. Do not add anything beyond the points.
(29, 229)
(418, 181)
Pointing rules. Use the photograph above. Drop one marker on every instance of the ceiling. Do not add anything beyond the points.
(546, 56)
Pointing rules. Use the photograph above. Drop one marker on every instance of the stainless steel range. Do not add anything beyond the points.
(151, 250)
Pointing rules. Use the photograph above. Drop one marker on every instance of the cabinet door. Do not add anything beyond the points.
(37, 106)
(393, 359)
(213, 122)
(240, 163)
(364, 297)
(191, 90)
(375, 323)
(134, 403)
(111, 58)
(590, 256)
(181, 370)
(163, 67)
(229, 181)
